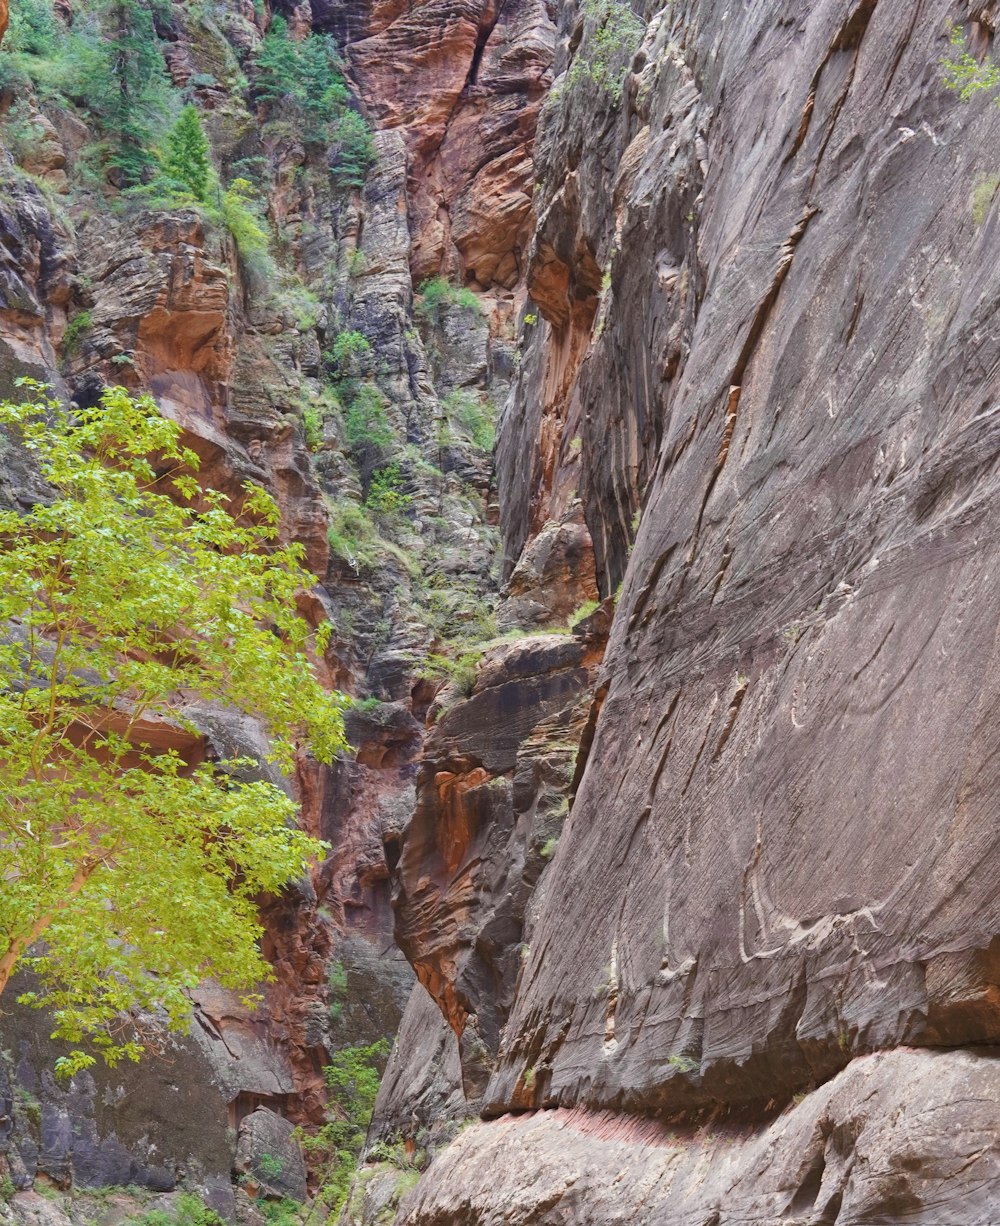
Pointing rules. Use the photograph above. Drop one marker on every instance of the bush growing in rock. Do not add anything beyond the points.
(306, 76)
(435, 296)
(612, 34)
(352, 1077)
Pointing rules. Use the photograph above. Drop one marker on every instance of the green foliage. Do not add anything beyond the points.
(386, 497)
(352, 1078)
(243, 218)
(33, 28)
(312, 426)
(39, 52)
(124, 590)
(369, 434)
(456, 614)
(612, 35)
(353, 537)
(472, 416)
(282, 1212)
(81, 323)
(683, 1064)
(189, 1210)
(304, 72)
(7, 1188)
(192, 1211)
(109, 61)
(583, 612)
(128, 90)
(186, 159)
(305, 76)
(436, 296)
(21, 130)
(350, 149)
(350, 355)
(964, 74)
(982, 197)
(548, 849)
(460, 672)
(270, 1166)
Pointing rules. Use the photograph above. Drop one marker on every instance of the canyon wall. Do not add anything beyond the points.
(94, 291)
(761, 364)
(696, 895)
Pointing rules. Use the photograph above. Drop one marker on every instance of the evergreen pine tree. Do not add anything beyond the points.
(129, 88)
(321, 91)
(276, 63)
(187, 154)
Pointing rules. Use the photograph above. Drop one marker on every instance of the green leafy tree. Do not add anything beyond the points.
(186, 159)
(350, 149)
(964, 74)
(307, 75)
(322, 92)
(129, 873)
(276, 65)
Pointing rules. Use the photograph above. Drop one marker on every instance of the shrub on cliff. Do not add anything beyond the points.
(127, 87)
(131, 873)
(612, 34)
(436, 296)
(352, 1077)
(964, 74)
(109, 62)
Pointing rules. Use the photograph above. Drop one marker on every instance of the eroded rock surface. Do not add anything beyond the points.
(898, 1137)
(491, 800)
(782, 853)
(464, 83)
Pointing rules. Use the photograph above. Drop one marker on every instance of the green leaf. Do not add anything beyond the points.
(131, 871)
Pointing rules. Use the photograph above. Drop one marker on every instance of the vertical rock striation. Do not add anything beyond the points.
(762, 351)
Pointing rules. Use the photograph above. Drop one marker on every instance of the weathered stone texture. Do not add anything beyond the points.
(783, 851)
(898, 1137)
(491, 799)
(464, 83)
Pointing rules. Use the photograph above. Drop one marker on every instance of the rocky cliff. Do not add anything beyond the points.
(699, 896)
(762, 365)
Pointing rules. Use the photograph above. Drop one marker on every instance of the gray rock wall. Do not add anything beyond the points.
(768, 324)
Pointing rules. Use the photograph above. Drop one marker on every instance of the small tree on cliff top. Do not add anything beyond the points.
(126, 874)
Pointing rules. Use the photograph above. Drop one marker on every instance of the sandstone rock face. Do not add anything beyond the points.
(797, 864)
(490, 806)
(897, 1137)
(36, 267)
(143, 1125)
(463, 83)
(553, 577)
(760, 348)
